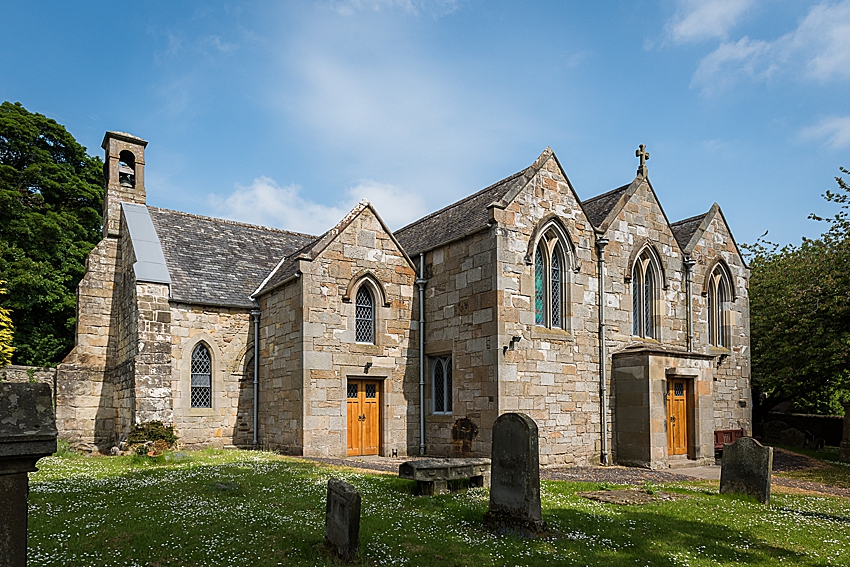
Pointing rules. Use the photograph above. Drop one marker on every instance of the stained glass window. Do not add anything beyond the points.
(555, 274)
(719, 297)
(201, 386)
(539, 288)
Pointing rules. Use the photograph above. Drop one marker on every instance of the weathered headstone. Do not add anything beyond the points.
(844, 447)
(27, 433)
(792, 437)
(342, 519)
(747, 469)
(515, 475)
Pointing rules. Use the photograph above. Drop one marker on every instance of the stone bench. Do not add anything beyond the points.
(432, 475)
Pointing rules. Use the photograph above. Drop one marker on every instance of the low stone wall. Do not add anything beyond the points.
(40, 374)
(829, 427)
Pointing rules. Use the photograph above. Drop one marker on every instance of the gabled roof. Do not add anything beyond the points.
(598, 208)
(458, 219)
(219, 262)
(689, 231)
(288, 266)
(470, 214)
(684, 231)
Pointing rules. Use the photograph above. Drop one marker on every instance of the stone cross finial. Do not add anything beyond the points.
(643, 155)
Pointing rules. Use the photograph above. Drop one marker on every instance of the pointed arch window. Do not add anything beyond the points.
(550, 287)
(441, 378)
(645, 286)
(201, 387)
(719, 302)
(365, 315)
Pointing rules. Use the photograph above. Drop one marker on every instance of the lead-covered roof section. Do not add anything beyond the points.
(217, 261)
(150, 265)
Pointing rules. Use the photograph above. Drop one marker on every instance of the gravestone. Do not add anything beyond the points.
(27, 433)
(844, 447)
(747, 469)
(792, 437)
(342, 519)
(515, 475)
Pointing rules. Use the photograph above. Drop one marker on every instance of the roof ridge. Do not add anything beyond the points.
(701, 215)
(606, 193)
(233, 222)
(465, 199)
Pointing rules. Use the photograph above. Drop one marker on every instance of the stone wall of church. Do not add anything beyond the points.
(733, 396)
(281, 414)
(551, 374)
(461, 321)
(641, 220)
(123, 342)
(332, 356)
(85, 412)
(227, 333)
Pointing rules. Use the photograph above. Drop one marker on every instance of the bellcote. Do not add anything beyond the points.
(124, 176)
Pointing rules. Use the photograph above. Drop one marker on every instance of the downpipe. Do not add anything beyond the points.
(255, 314)
(421, 281)
(603, 363)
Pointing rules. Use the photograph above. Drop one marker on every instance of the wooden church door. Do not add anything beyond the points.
(364, 422)
(677, 417)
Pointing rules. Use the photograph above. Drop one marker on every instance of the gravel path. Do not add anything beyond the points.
(783, 461)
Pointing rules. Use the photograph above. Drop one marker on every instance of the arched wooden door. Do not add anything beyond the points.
(364, 417)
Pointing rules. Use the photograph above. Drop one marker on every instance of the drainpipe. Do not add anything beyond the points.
(689, 269)
(421, 281)
(255, 314)
(601, 243)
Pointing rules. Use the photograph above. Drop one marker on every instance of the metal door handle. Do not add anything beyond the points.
(672, 418)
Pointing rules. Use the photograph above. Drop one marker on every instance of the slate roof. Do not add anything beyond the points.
(597, 208)
(458, 219)
(216, 261)
(685, 229)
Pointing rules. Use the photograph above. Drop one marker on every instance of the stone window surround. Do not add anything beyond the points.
(382, 305)
(551, 234)
(182, 406)
(432, 364)
(719, 274)
(643, 258)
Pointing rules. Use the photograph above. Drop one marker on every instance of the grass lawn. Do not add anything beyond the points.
(250, 508)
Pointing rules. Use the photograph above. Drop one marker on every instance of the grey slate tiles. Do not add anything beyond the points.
(216, 261)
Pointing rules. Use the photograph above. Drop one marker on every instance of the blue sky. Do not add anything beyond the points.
(288, 113)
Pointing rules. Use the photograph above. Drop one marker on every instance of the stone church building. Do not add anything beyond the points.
(366, 341)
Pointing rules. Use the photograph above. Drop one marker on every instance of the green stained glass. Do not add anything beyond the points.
(539, 289)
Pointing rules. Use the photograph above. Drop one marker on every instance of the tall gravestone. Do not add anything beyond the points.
(747, 469)
(27, 433)
(342, 519)
(515, 475)
(844, 448)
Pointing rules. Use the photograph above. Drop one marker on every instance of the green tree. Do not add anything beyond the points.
(6, 333)
(800, 315)
(51, 199)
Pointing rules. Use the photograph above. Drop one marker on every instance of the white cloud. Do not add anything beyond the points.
(705, 19)
(819, 49)
(266, 203)
(834, 130)
(412, 7)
